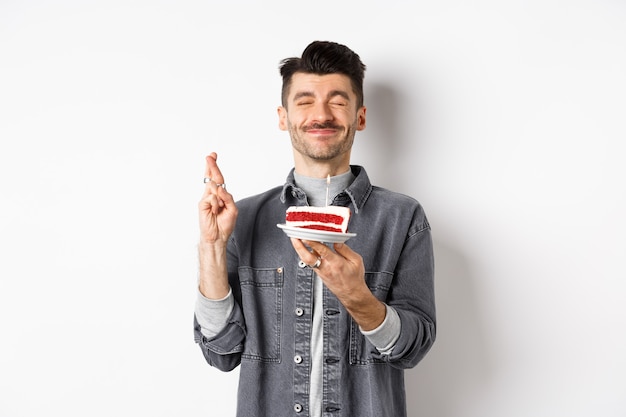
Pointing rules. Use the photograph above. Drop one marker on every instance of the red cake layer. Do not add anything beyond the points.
(329, 218)
(307, 216)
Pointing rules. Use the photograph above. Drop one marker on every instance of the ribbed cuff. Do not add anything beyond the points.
(212, 315)
(385, 336)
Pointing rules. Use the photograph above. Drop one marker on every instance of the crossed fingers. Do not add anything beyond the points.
(213, 180)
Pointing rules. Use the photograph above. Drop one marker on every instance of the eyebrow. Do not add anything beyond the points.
(332, 94)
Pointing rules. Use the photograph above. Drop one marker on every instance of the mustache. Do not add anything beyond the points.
(327, 125)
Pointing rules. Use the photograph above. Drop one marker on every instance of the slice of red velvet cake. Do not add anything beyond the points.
(329, 218)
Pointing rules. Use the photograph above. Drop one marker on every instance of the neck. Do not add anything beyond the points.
(317, 189)
(321, 169)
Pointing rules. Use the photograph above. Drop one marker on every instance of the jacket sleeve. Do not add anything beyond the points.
(224, 350)
(412, 296)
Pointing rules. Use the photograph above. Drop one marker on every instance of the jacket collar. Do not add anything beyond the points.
(357, 193)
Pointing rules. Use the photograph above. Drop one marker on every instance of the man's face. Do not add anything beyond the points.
(321, 116)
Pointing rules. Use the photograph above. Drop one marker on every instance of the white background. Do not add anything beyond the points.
(505, 119)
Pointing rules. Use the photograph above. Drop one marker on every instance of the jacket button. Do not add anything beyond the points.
(297, 408)
(297, 359)
(299, 312)
(301, 264)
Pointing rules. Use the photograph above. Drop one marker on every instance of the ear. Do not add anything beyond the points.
(360, 117)
(282, 118)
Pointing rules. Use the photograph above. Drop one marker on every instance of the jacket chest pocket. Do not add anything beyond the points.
(261, 299)
(361, 350)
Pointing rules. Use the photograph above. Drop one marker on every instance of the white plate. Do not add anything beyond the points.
(316, 235)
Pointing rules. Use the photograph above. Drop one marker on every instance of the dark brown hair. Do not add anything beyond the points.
(322, 58)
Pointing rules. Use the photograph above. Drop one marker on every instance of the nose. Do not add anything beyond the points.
(321, 113)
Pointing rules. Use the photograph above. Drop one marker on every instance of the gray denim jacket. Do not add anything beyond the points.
(269, 330)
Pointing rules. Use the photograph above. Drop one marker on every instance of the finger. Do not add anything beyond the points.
(209, 163)
(347, 252)
(225, 198)
(210, 204)
(303, 253)
(212, 169)
(217, 198)
(321, 249)
(212, 172)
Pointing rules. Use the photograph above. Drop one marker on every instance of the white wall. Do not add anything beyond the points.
(505, 119)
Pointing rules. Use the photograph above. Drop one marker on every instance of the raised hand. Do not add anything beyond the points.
(217, 209)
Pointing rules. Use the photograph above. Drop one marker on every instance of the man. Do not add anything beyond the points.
(317, 329)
